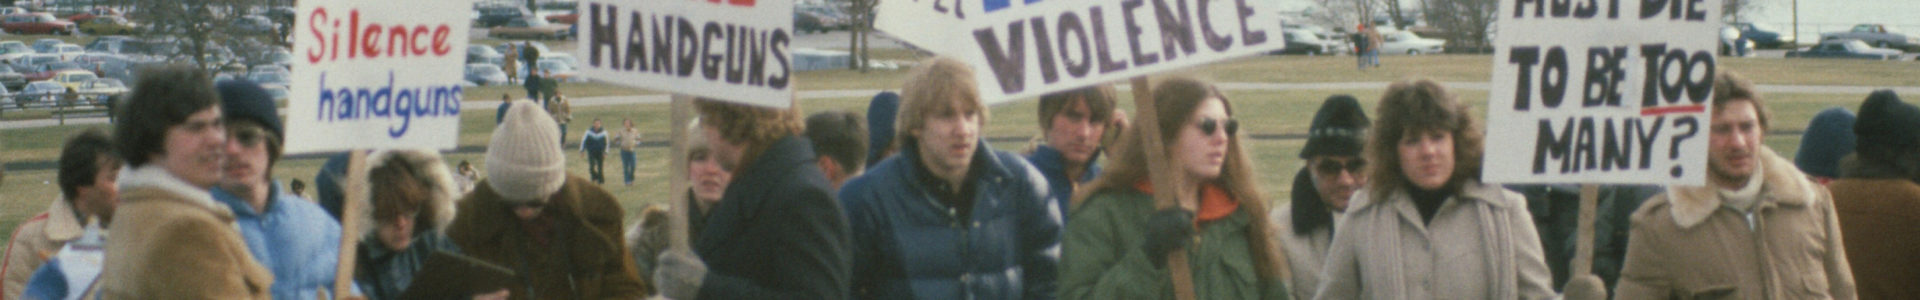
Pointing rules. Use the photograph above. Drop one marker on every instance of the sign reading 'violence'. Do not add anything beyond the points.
(1602, 91)
(376, 74)
(732, 50)
(1038, 47)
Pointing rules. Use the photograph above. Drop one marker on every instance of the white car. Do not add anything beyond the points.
(1403, 42)
(14, 50)
(68, 52)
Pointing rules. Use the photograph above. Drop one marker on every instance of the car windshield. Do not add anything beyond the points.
(1856, 44)
(43, 18)
(15, 48)
(80, 77)
(70, 48)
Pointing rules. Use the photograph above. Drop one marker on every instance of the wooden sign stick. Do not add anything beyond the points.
(1166, 182)
(1583, 236)
(350, 223)
(678, 236)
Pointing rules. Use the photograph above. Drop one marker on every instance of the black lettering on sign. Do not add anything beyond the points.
(1526, 57)
(1176, 28)
(1590, 144)
(1107, 64)
(1218, 43)
(1008, 63)
(1043, 49)
(1693, 127)
(1248, 37)
(1691, 10)
(1604, 75)
(1553, 77)
(1133, 34)
(1678, 64)
(662, 44)
(636, 46)
(1070, 26)
(603, 35)
(778, 45)
(689, 49)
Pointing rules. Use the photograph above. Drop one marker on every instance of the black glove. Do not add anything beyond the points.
(1167, 230)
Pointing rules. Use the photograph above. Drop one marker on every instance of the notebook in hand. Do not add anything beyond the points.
(448, 275)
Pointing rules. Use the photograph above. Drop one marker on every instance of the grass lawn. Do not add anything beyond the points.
(25, 192)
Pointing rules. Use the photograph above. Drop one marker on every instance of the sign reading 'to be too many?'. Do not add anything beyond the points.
(376, 74)
(1602, 91)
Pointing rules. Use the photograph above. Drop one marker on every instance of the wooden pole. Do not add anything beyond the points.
(350, 222)
(1166, 182)
(1583, 237)
(678, 238)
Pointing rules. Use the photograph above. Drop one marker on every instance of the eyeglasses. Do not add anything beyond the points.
(247, 136)
(1208, 125)
(1333, 167)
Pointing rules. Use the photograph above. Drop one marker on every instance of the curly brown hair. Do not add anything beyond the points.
(755, 127)
(1729, 86)
(1419, 106)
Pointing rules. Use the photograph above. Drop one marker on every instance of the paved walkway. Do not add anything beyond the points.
(1235, 86)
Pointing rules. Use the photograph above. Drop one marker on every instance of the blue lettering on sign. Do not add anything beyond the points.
(394, 104)
(996, 5)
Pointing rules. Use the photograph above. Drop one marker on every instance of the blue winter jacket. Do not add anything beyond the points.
(294, 238)
(1054, 166)
(908, 245)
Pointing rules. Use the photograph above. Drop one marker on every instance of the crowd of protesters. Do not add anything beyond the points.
(910, 201)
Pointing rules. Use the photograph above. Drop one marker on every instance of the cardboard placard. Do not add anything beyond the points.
(732, 50)
(371, 74)
(1602, 91)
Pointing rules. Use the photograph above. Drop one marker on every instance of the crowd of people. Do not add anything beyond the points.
(910, 201)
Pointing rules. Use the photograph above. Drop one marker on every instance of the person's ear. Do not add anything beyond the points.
(828, 166)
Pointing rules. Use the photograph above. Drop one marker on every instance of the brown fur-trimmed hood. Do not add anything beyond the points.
(1783, 184)
(428, 166)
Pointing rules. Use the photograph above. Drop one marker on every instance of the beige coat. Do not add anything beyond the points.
(1305, 252)
(1686, 245)
(626, 139)
(172, 241)
(36, 241)
(1481, 244)
(561, 110)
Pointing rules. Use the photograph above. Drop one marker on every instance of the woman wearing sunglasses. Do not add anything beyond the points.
(1117, 243)
(1425, 227)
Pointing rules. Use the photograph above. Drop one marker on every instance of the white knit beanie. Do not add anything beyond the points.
(524, 162)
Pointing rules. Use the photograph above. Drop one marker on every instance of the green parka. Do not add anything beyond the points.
(1102, 259)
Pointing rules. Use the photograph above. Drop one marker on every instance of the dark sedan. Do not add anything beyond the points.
(1846, 49)
(1764, 36)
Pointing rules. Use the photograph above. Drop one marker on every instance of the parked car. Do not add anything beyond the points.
(818, 19)
(13, 50)
(92, 13)
(1302, 41)
(1764, 36)
(39, 93)
(68, 52)
(566, 18)
(12, 10)
(269, 79)
(36, 23)
(72, 79)
(104, 91)
(1405, 42)
(1845, 49)
(1732, 43)
(484, 54)
(48, 70)
(529, 28)
(109, 25)
(46, 45)
(555, 69)
(491, 16)
(1877, 35)
(11, 79)
(255, 24)
(32, 62)
(6, 100)
(485, 74)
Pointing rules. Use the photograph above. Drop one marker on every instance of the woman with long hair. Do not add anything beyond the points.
(1117, 243)
(1425, 227)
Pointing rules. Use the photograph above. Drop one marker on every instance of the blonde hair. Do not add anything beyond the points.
(936, 85)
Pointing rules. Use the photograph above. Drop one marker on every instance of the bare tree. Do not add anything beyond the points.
(860, 14)
(1464, 21)
(194, 26)
(1737, 10)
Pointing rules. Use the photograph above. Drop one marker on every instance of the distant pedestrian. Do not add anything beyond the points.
(500, 113)
(510, 61)
(594, 145)
(628, 139)
(562, 113)
(466, 177)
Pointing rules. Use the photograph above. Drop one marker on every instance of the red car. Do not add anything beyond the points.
(36, 23)
(91, 13)
(46, 71)
(568, 18)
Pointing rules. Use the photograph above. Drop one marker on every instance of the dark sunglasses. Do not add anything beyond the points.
(1208, 125)
(1332, 167)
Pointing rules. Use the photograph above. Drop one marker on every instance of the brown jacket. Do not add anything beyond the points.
(1481, 244)
(1686, 245)
(172, 241)
(584, 258)
(1881, 220)
(36, 241)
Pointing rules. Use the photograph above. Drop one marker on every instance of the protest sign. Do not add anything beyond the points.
(1602, 91)
(376, 74)
(732, 50)
(1037, 47)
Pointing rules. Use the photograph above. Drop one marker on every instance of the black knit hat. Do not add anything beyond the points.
(1885, 121)
(1339, 128)
(244, 100)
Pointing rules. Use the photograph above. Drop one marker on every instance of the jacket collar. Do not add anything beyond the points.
(985, 165)
(62, 223)
(1781, 184)
(1470, 190)
(240, 206)
(1051, 162)
(152, 176)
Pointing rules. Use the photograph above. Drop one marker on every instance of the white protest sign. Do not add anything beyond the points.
(1602, 91)
(930, 24)
(1046, 46)
(376, 74)
(731, 50)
